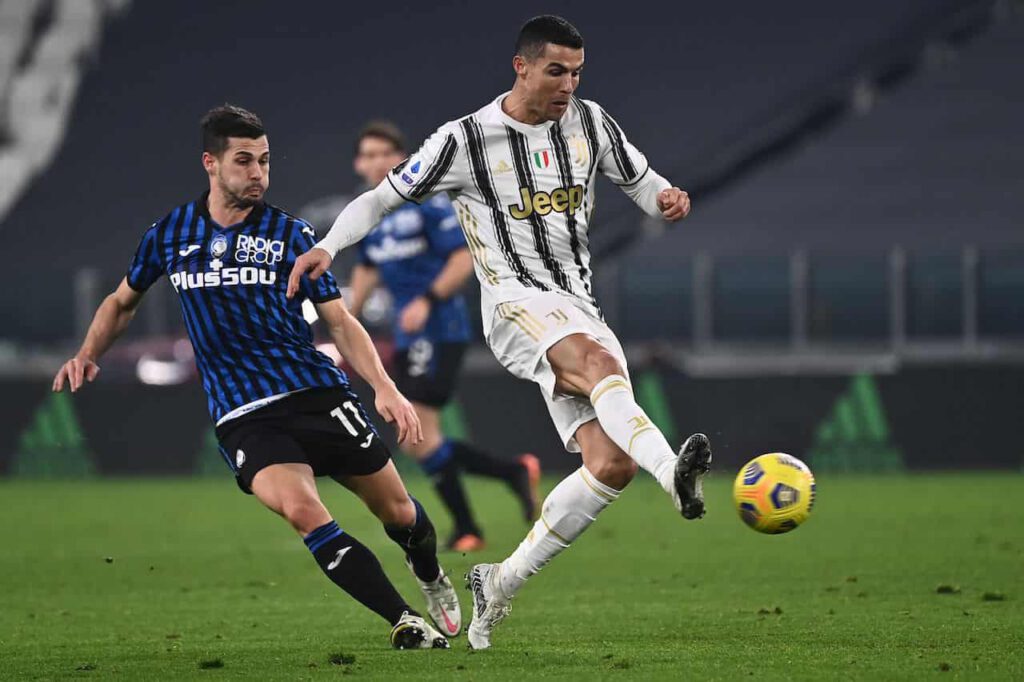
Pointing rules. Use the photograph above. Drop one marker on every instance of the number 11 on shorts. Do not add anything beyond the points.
(339, 414)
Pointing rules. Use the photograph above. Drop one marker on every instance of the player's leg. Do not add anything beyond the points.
(436, 456)
(586, 366)
(521, 474)
(407, 524)
(290, 490)
(419, 373)
(568, 511)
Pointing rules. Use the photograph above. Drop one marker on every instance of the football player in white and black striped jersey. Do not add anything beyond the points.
(521, 173)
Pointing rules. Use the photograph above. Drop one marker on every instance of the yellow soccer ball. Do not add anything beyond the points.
(774, 493)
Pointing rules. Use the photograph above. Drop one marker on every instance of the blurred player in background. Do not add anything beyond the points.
(284, 412)
(521, 171)
(419, 254)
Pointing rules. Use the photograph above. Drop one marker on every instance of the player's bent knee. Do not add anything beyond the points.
(399, 512)
(615, 472)
(305, 514)
(599, 363)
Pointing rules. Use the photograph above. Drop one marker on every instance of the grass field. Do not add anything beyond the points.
(140, 579)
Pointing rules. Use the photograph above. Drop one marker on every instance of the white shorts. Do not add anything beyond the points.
(521, 334)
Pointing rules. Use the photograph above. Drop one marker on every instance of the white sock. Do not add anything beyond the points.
(568, 510)
(632, 430)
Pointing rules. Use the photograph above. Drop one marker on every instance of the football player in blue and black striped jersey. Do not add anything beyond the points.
(284, 413)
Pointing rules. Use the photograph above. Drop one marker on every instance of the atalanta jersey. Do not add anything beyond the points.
(250, 341)
(409, 248)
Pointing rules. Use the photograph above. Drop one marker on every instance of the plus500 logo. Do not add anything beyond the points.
(227, 277)
(258, 250)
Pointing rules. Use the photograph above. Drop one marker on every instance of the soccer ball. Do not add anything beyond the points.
(774, 493)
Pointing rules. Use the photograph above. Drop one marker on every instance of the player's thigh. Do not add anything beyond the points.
(290, 490)
(524, 330)
(603, 458)
(253, 443)
(580, 361)
(384, 494)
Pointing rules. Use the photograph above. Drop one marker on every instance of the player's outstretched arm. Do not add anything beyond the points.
(351, 225)
(355, 345)
(112, 317)
(658, 198)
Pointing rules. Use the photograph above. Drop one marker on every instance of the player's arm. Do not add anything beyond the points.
(110, 320)
(429, 171)
(364, 280)
(357, 348)
(627, 167)
(457, 269)
(351, 225)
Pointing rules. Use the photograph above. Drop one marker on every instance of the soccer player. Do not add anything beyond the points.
(522, 171)
(419, 254)
(284, 412)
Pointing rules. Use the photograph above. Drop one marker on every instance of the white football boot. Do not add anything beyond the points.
(490, 605)
(442, 603)
(412, 632)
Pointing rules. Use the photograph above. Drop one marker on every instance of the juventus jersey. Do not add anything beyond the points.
(524, 194)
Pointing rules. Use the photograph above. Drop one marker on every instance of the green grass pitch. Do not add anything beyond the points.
(900, 577)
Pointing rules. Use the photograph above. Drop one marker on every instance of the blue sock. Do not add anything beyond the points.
(443, 468)
(438, 459)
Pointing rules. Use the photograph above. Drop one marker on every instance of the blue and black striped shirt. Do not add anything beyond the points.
(250, 341)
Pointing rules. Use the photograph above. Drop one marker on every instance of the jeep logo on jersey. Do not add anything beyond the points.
(561, 200)
(259, 250)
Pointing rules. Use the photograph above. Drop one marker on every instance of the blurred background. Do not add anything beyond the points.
(849, 287)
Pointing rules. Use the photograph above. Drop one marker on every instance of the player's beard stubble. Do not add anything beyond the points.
(244, 199)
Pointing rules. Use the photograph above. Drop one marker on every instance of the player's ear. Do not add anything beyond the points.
(209, 162)
(519, 65)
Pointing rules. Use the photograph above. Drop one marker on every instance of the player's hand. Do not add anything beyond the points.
(76, 372)
(674, 204)
(414, 315)
(315, 262)
(395, 409)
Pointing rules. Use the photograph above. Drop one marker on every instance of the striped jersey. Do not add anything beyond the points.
(251, 342)
(524, 194)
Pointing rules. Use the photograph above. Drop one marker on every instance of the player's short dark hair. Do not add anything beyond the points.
(227, 120)
(547, 28)
(382, 130)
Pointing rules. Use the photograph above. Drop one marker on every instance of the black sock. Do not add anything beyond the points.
(443, 470)
(478, 462)
(355, 569)
(419, 543)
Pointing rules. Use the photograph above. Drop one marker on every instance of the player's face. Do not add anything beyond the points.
(551, 79)
(376, 156)
(242, 172)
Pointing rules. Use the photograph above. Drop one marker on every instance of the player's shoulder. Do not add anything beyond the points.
(171, 218)
(457, 125)
(303, 226)
(588, 108)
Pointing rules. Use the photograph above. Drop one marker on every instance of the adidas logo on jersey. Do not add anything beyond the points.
(502, 167)
(561, 200)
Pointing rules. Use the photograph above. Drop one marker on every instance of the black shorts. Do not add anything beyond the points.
(426, 372)
(325, 428)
